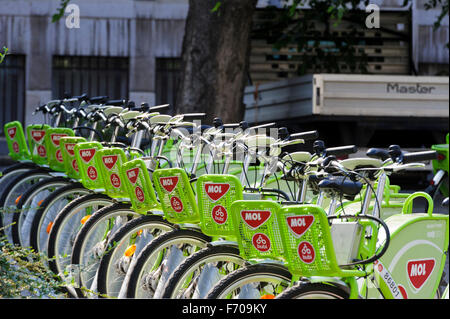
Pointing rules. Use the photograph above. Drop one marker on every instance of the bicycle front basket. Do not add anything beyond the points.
(86, 156)
(36, 140)
(67, 145)
(110, 161)
(17, 144)
(52, 143)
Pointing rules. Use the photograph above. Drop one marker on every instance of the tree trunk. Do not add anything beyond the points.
(215, 56)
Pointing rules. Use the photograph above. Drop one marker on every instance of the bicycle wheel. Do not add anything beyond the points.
(308, 290)
(66, 226)
(28, 204)
(90, 242)
(12, 171)
(150, 270)
(125, 244)
(47, 212)
(197, 274)
(14, 190)
(257, 281)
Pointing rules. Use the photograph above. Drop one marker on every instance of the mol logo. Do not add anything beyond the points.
(169, 183)
(70, 148)
(255, 218)
(12, 132)
(216, 191)
(133, 174)
(299, 224)
(37, 135)
(87, 154)
(109, 161)
(55, 138)
(419, 271)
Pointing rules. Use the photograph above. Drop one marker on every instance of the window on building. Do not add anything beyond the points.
(167, 80)
(94, 76)
(12, 89)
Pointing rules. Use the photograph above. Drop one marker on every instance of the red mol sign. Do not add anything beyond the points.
(169, 183)
(109, 161)
(419, 271)
(255, 218)
(87, 154)
(299, 224)
(216, 191)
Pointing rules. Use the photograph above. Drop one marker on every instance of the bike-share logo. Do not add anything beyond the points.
(12, 132)
(75, 165)
(42, 151)
(55, 138)
(306, 252)
(299, 224)
(133, 174)
(58, 156)
(176, 204)
(92, 173)
(139, 194)
(109, 161)
(419, 271)
(169, 183)
(255, 218)
(115, 180)
(261, 242)
(87, 154)
(219, 214)
(216, 191)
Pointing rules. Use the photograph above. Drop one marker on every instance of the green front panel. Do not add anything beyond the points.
(52, 143)
(86, 156)
(307, 241)
(67, 145)
(138, 185)
(176, 195)
(36, 141)
(215, 194)
(17, 144)
(412, 265)
(111, 159)
(256, 229)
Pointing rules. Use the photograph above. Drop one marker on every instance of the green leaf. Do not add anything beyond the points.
(217, 6)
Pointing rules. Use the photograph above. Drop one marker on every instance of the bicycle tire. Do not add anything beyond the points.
(116, 247)
(95, 225)
(69, 211)
(211, 254)
(257, 273)
(317, 290)
(38, 219)
(31, 194)
(155, 247)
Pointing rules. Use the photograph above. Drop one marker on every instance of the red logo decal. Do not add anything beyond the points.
(169, 183)
(15, 147)
(255, 218)
(306, 252)
(69, 148)
(115, 180)
(403, 291)
(299, 224)
(419, 271)
(216, 191)
(139, 194)
(132, 174)
(219, 214)
(176, 204)
(110, 161)
(92, 173)
(87, 154)
(75, 165)
(56, 137)
(12, 132)
(261, 242)
(37, 135)
(58, 156)
(42, 151)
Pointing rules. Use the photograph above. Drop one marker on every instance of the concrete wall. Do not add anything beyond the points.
(140, 30)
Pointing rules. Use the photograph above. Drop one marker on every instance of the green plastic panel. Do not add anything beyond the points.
(111, 160)
(442, 164)
(256, 229)
(17, 144)
(86, 156)
(52, 143)
(176, 195)
(137, 181)
(67, 145)
(215, 194)
(36, 142)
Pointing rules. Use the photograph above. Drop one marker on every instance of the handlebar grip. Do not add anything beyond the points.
(419, 157)
(341, 150)
(310, 135)
(116, 102)
(378, 153)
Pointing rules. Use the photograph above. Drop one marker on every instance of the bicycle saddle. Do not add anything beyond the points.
(341, 184)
